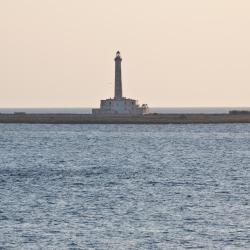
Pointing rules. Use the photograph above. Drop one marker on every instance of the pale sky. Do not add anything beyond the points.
(176, 53)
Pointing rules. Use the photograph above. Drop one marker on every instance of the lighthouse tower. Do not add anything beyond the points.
(118, 76)
(120, 105)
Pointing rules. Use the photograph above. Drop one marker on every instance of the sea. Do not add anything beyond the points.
(124, 186)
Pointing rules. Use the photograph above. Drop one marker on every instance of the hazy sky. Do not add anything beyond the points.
(59, 53)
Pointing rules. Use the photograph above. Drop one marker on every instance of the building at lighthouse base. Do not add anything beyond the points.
(121, 106)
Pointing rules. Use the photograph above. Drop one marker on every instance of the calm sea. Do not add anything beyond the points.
(124, 186)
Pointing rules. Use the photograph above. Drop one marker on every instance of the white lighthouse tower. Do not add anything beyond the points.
(120, 105)
(118, 76)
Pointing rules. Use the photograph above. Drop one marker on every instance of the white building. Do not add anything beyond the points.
(120, 105)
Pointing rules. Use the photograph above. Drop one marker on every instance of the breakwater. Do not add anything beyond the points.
(146, 119)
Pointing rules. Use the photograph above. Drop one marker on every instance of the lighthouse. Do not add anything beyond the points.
(118, 76)
(120, 105)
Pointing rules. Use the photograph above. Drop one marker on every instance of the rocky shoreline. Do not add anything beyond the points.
(146, 119)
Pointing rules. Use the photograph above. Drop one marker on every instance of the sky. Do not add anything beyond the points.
(181, 53)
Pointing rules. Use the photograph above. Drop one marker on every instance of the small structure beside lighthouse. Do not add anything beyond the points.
(120, 105)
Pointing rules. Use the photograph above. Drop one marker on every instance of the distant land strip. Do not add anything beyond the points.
(20, 117)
